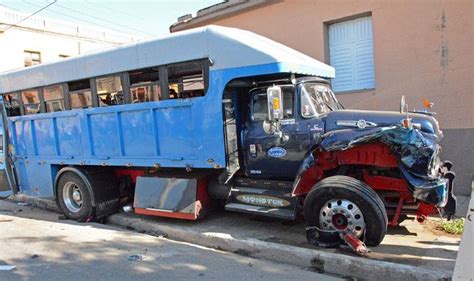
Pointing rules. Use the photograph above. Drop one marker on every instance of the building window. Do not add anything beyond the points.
(32, 58)
(351, 53)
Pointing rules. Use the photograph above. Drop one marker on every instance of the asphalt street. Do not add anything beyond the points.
(42, 247)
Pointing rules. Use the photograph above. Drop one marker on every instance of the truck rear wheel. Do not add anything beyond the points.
(347, 204)
(74, 197)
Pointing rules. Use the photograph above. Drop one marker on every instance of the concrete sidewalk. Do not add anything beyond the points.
(409, 252)
(41, 247)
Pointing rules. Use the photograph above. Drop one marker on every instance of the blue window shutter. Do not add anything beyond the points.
(351, 53)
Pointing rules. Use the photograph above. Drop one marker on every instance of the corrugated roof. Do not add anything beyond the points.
(227, 47)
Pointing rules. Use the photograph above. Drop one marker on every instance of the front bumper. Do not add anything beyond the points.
(438, 192)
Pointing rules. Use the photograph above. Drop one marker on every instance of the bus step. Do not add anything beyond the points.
(288, 214)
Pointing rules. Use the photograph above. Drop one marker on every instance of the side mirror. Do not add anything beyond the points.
(275, 103)
(402, 104)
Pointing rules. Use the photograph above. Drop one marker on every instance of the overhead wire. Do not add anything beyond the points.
(30, 15)
(107, 21)
(109, 9)
(77, 18)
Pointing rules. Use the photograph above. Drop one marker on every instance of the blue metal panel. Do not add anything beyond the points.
(137, 127)
(176, 133)
(35, 178)
(45, 137)
(25, 138)
(69, 129)
(104, 134)
(171, 133)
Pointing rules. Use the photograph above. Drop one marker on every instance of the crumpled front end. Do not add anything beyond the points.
(418, 153)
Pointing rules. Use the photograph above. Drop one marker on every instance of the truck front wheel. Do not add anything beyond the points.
(347, 204)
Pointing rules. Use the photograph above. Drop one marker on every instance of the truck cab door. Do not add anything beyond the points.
(7, 181)
(272, 155)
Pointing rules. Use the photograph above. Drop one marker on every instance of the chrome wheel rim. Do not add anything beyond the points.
(342, 215)
(72, 197)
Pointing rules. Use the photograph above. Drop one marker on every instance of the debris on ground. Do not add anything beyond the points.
(6, 220)
(355, 244)
(136, 257)
(335, 239)
(6, 267)
(34, 256)
(23, 204)
(455, 226)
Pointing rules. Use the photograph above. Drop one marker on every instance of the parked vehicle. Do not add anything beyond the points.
(216, 115)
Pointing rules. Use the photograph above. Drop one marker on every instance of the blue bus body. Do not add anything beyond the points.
(180, 133)
(264, 135)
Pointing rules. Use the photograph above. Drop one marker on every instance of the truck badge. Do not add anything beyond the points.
(277, 152)
(361, 124)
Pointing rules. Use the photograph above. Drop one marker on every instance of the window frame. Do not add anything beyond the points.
(40, 97)
(20, 101)
(205, 65)
(30, 52)
(162, 83)
(121, 75)
(327, 49)
(294, 107)
(145, 84)
(64, 93)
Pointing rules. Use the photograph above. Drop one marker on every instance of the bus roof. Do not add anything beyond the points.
(226, 47)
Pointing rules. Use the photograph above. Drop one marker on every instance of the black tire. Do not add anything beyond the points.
(85, 210)
(356, 191)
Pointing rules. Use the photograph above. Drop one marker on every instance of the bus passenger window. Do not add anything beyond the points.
(186, 80)
(80, 94)
(144, 85)
(54, 98)
(109, 90)
(31, 101)
(12, 104)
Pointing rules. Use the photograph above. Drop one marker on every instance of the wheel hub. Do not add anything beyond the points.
(343, 215)
(76, 195)
(72, 197)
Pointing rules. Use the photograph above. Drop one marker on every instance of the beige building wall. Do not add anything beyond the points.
(422, 48)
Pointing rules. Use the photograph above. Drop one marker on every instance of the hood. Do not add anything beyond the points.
(365, 119)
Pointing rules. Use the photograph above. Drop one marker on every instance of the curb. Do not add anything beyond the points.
(324, 262)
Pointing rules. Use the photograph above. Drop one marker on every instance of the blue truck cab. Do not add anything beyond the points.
(216, 116)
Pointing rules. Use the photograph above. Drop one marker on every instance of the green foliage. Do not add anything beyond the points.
(455, 226)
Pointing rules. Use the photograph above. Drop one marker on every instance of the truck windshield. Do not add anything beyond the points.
(317, 99)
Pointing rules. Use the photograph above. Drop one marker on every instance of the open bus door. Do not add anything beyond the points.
(7, 179)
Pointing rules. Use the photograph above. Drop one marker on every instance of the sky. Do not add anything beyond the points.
(140, 18)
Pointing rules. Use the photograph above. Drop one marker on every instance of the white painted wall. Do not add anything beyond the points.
(51, 38)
